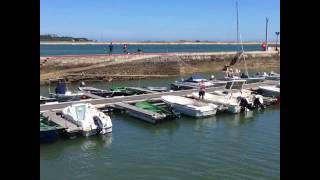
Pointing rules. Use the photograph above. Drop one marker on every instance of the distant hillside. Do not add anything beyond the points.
(51, 37)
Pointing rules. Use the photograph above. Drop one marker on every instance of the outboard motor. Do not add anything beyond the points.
(244, 75)
(244, 104)
(82, 84)
(258, 102)
(98, 123)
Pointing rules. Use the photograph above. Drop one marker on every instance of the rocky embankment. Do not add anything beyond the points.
(105, 67)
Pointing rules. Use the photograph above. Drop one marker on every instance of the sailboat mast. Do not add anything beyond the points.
(237, 23)
(244, 58)
(267, 20)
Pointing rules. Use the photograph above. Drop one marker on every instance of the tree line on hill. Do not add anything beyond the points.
(52, 37)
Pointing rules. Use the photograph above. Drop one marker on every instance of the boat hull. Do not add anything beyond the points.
(193, 112)
(48, 136)
(269, 92)
(94, 132)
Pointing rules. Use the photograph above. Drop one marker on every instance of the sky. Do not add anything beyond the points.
(169, 20)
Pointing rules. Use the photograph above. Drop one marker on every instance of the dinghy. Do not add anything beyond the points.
(88, 118)
(190, 107)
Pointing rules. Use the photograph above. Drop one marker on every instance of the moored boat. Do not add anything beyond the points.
(158, 108)
(48, 130)
(96, 91)
(193, 83)
(232, 104)
(62, 93)
(158, 89)
(270, 91)
(190, 107)
(88, 118)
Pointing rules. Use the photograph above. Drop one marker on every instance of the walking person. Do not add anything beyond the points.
(125, 49)
(110, 48)
(202, 88)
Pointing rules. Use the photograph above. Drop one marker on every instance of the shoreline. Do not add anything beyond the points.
(150, 43)
(104, 67)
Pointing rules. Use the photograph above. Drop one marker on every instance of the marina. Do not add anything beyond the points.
(157, 107)
(165, 90)
(101, 102)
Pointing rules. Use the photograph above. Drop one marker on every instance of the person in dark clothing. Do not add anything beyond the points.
(139, 51)
(125, 49)
(110, 48)
(60, 88)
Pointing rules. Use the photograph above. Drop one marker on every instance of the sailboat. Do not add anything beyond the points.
(241, 54)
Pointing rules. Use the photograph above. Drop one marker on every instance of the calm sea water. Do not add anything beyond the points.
(53, 50)
(221, 147)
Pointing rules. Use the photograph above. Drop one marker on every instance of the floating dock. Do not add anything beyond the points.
(102, 102)
(144, 90)
(65, 124)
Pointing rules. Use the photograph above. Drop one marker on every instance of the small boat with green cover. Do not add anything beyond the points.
(160, 108)
(121, 91)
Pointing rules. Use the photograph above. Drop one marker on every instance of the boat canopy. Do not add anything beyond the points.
(61, 88)
(235, 84)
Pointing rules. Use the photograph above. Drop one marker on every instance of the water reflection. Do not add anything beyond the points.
(169, 126)
(54, 150)
(242, 118)
(208, 122)
(97, 142)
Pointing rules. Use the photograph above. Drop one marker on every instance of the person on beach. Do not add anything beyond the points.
(125, 49)
(202, 88)
(110, 48)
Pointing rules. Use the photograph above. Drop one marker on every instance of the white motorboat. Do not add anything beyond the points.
(190, 107)
(63, 94)
(248, 79)
(88, 118)
(234, 89)
(67, 96)
(232, 104)
(96, 91)
(273, 76)
(270, 91)
(269, 76)
(193, 83)
(45, 100)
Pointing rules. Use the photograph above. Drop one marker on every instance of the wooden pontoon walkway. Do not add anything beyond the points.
(135, 98)
(67, 125)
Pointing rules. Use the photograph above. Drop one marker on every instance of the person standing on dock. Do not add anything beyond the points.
(110, 48)
(202, 88)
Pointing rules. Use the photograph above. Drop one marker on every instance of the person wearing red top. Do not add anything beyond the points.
(202, 89)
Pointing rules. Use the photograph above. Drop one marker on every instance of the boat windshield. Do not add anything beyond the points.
(80, 112)
(234, 85)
